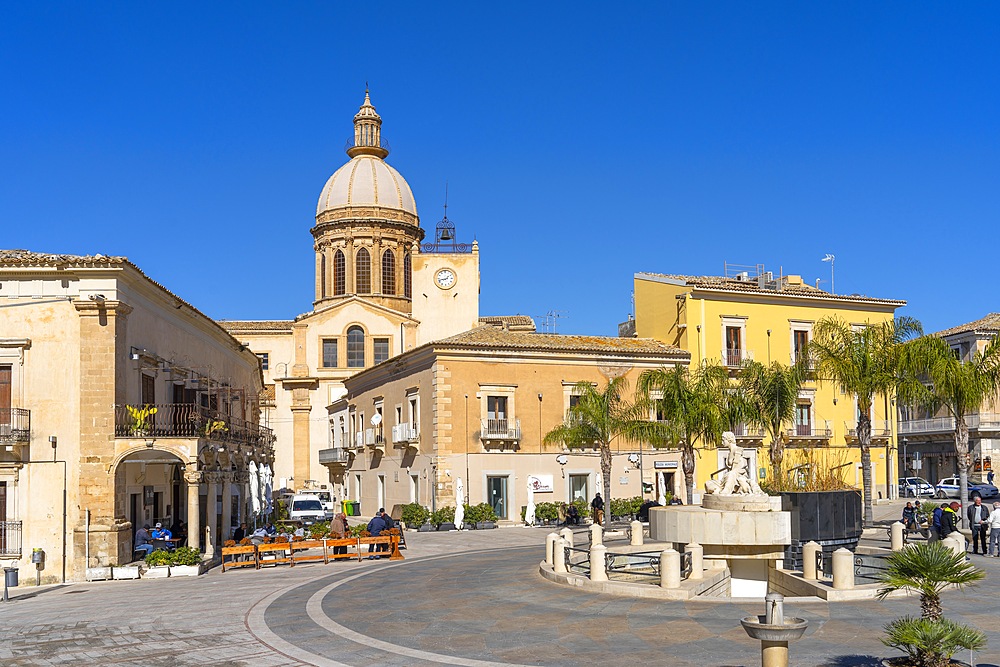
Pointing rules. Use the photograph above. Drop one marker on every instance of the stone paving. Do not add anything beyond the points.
(471, 598)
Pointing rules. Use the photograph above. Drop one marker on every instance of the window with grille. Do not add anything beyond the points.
(339, 274)
(329, 353)
(355, 347)
(363, 272)
(381, 346)
(407, 278)
(388, 273)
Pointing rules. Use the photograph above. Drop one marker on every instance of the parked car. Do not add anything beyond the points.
(915, 487)
(948, 488)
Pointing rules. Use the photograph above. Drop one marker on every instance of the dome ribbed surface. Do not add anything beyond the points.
(366, 181)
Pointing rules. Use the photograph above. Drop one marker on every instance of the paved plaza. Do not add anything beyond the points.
(470, 599)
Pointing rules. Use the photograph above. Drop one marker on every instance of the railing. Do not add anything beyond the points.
(744, 431)
(335, 455)
(10, 539)
(359, 439)
(189, 420)
(577, 560)
(880, 429)
(405, 433)
(15, 425)
(947, 424)
(734, 357)
(500, 429)
(869, 568)
(811, 431)
(625, 566)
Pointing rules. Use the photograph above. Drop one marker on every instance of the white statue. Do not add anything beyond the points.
(459, 504)
(529, 512)
(737, 479)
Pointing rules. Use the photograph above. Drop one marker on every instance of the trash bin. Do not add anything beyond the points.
(355, 508)
(10, 576)
(345, 507)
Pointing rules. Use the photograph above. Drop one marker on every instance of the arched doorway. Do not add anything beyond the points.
(150, 489)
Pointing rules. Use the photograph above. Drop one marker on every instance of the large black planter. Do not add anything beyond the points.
(830, 518)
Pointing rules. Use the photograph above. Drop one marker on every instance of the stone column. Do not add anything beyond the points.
(227, 506)
(550, 545)
(193, 480)
(670, 569)
(596, 534)
(843, 569)
(636, 527)
(697, 560)
(896, 536)
(211, 511)
(598, 571)
(567, 535)
(809, 551)
(559, 556)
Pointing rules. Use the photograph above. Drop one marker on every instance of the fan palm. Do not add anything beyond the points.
(962, 387)
(931, 643)
(927, 569)
(687, 402)
(772, 392)
(864, 361)
(599, 417)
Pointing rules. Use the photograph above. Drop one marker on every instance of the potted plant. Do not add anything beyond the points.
(485, 516)
(159, 564)
(185, 562)
(444, 518)
(414, 515)
(931, 639)
(141, 419)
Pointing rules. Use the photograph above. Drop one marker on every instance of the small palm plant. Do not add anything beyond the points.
(927, 569)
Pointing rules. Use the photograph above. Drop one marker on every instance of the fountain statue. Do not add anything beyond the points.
(736, 480)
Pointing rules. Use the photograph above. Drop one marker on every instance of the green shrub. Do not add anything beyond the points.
(625, 507)
(484, 512)
(443, 515)
(186, 556)
(548, 511)
(318, 529)
(582, 507)
(280, 511)
(355, 531)
(160, 557)
(414, 515)
(931, 643)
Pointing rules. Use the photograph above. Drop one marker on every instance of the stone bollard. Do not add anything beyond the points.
(843, 569)
(598, 565)
(670, 569)
(567, 535)
(697, 560)
(209, 545)
(559, 555)
(596, 534)
(636, 527)
(896, 536)
(550, 543)
(809, 551)
(955, 542)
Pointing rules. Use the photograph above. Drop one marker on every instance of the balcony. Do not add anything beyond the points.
(10, 539)
(500, 432)
(982, 421)
(335, 456)
(810, 434)
(188, 420)
(881, 432)
(734, 357)
(405, 434)
(743, 432)
(15, 426)
(373, 438)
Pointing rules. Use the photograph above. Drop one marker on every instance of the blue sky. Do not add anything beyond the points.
(581, 142)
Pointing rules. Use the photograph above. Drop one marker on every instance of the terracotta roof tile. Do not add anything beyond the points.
(512, 322)
(494, 337)
(751, 286)
(988, 325)
(240, 326)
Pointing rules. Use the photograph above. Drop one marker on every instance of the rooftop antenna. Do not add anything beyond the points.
(830, 258)
(550, 321)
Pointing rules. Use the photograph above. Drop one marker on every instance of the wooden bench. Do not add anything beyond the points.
(282, 553)
(305, 545)
(240, 556)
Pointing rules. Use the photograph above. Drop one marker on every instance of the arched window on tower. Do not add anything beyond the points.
(388, 272)
(363, 272)
(355, 347)
(322, 276)
(407, 277)
(339, 274)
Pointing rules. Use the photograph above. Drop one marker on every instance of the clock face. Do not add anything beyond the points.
(445, 278)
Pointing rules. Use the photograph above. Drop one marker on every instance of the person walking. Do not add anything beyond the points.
(977, 514)
(989, 477)
(994, 523)
(597, 505)
(909, 518)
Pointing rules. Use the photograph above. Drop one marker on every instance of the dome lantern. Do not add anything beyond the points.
(367, 132)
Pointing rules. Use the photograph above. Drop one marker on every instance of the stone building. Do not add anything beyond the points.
(379, 291)
(477, 406)
(89, 347)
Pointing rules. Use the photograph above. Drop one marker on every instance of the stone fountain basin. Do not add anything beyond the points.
(792, 629)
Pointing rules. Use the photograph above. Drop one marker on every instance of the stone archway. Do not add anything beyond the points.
(150, 489)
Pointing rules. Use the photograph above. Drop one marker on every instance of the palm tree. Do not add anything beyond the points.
(687, 401)
(960, 386)
(598, 418)
(772, 392)
(864, 361)
(927, 569)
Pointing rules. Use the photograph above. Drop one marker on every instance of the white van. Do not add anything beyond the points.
(324, 497)
(306, 508)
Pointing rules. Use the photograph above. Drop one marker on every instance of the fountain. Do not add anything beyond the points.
(774, 631)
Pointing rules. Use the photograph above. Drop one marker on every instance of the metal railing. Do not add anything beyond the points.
(734, 357)
(189, 420)
(500, 429)
(373, 436)
(10, 539)
(744, 431)
(359, 439)
(811, 431)
(624, 565)
(405, 432)
(880, 429)
(334, 455)
(15, 425)
(578, 560)
(869, 568)
(947, 424)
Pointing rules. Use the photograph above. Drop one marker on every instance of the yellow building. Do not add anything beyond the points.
(749, 313)
(476, 406)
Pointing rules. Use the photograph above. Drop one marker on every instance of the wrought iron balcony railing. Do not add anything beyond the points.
(15, 425)
(822, 432)
(500, 429)
(978, 421)
(188, 420)
(734, 357)
(880, 429)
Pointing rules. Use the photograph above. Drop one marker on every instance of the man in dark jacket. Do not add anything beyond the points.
(977, 515)
(375, 527)
(597, 505)
(949, 519)
(936, 522)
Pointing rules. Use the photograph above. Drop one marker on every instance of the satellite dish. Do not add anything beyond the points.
(376, 419)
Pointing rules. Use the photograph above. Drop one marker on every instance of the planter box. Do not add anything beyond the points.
(446, 526)
(157, 572)
(126, 571)
(426, 528)
(830, 518)
(187, 570)
(100, 573)
(485, 525)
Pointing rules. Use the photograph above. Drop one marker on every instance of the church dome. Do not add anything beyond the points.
(367, 181)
